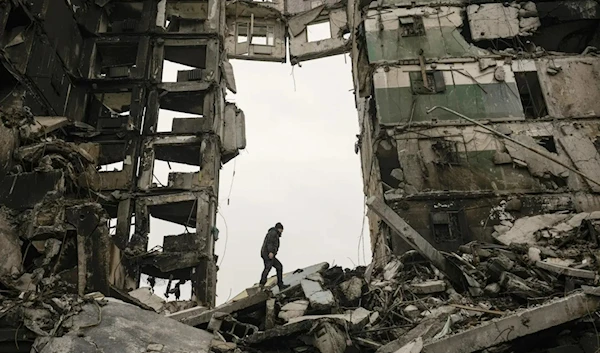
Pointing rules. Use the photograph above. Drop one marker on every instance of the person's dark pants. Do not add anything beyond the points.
(269, 264)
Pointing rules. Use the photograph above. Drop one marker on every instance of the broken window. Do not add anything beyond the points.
(175, 72)
(387, 155)
(115, 61)
(263, 35)
(435, 82)
(446, 152)
(530, 92)
(113, 223)
(173, 121)
(447, 226)
(553, 25)
(190, 55)
(412, 26)
(185, 16)
(165, 172)
(113, 167)
(318, 31)
(109, 110)
(242, 32)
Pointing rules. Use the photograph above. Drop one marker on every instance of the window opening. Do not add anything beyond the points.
(263, 35)
(318, 31)
(435, 82)
(530, 92)
(412, 26)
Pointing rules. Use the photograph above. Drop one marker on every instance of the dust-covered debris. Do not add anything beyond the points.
(409, 305)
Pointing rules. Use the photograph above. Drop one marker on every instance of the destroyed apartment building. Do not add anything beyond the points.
(479, 142)
(82, 94)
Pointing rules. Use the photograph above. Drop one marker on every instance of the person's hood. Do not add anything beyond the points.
(273, 229)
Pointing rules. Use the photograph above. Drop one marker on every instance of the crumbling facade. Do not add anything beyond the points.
(468, 110)
(82, 94)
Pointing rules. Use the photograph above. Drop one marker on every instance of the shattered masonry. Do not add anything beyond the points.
(480, 149)
(82, 96)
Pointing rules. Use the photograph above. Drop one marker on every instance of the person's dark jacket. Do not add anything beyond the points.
(271, 243)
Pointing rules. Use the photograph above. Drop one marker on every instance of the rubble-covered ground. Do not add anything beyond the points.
(537, 273)
(533, 291)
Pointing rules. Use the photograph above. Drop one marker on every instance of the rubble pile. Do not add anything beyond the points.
(55, 243)
(540, 267)
(538, 281)
(49, 182)
(90, 324)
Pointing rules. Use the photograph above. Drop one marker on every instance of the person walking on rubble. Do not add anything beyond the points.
(268, 252)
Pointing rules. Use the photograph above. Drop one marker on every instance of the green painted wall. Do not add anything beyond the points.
(500, 100)
(437, 43)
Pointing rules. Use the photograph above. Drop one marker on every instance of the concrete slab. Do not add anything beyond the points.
(46, 124)
(227, 308)
(315, 294)
(128, 329)
(293, 310)
(520, 324)
(147, 297)
(292, 278)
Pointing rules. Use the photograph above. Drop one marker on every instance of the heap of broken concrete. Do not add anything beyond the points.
(533, 292)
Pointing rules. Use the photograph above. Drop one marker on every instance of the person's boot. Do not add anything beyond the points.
(261, 287)
(283, 286)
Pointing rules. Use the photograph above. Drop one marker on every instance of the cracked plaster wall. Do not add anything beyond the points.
(573, 92)
(469, 159)
(388, 40)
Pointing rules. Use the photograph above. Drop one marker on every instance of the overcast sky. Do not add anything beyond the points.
(299, 168)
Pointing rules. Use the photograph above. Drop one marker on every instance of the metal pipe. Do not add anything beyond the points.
(548, 156)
